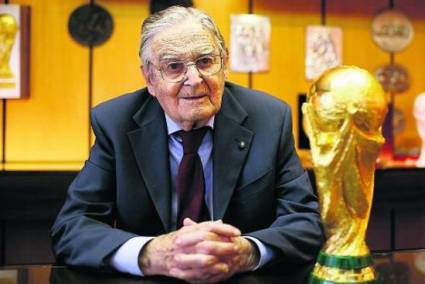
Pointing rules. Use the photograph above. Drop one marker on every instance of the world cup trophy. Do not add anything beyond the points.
(8, 30)
(343, 116)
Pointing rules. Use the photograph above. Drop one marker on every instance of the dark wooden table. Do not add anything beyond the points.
(66, 275)
(402, 267)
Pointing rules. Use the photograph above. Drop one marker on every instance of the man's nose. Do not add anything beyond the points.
(193, 77)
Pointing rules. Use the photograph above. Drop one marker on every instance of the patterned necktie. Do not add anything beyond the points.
(190, 185)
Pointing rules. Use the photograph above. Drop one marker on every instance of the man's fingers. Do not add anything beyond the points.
(211, 225)
(191, 261)
(217, 227)
(216, 248)
(210, 275)
(188, 222)
(194, 237)
(223, 229)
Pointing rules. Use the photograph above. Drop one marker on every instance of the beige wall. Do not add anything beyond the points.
(50, 130)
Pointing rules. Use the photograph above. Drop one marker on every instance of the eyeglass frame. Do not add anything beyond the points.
(187, 64)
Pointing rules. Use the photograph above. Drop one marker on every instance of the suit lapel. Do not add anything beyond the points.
(150, 146)
(230, 148)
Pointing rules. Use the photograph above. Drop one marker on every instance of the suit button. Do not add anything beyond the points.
(242, 145)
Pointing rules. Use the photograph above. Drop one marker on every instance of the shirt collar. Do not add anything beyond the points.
(173, 127)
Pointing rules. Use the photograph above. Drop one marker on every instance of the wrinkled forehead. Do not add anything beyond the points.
(183, 42)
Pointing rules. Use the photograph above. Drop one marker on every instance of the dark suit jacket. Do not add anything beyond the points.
(124, 188)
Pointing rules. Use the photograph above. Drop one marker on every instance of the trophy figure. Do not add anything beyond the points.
(8, 30)
(419, 113)
(344, 112)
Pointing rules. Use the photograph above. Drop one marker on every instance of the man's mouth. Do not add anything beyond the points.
(193, 98)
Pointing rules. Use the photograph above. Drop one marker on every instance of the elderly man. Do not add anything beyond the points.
(192, 177)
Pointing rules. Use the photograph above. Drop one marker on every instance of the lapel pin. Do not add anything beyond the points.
(241, 145)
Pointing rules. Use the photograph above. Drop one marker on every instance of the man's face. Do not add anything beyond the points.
(196, 98)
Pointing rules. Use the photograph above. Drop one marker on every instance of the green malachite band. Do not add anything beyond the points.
(344, 262)
(316, 280)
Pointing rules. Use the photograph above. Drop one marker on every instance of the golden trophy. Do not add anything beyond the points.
(8, 30)
(343, 115)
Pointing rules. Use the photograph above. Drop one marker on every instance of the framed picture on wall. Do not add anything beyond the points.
(249, 43)
(323, 50)
(14, 51)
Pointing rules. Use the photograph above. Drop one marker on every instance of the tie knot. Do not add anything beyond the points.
(192, 139)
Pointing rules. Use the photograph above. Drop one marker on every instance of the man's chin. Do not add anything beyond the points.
(199, 117)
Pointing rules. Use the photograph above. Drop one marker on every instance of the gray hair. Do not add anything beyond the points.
(170, 17)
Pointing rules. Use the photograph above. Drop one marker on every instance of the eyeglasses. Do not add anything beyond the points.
(175, 71)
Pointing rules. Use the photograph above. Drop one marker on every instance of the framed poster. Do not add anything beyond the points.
(323, 50)
(14, 51)
(249, 43)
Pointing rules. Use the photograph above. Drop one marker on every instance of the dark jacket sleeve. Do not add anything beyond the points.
(296, 234)
(83, 232)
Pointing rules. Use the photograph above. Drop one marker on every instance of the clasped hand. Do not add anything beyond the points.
(204, 252)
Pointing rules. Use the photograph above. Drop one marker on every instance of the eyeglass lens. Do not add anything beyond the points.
(176, 70)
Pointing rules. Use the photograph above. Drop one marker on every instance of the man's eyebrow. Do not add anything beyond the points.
(170, 55)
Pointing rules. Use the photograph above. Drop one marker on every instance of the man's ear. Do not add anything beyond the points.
(148, 78)
(226, 58)
(226, 65)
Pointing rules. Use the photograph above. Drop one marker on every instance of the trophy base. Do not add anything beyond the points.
(333, 269)
(315, 280)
